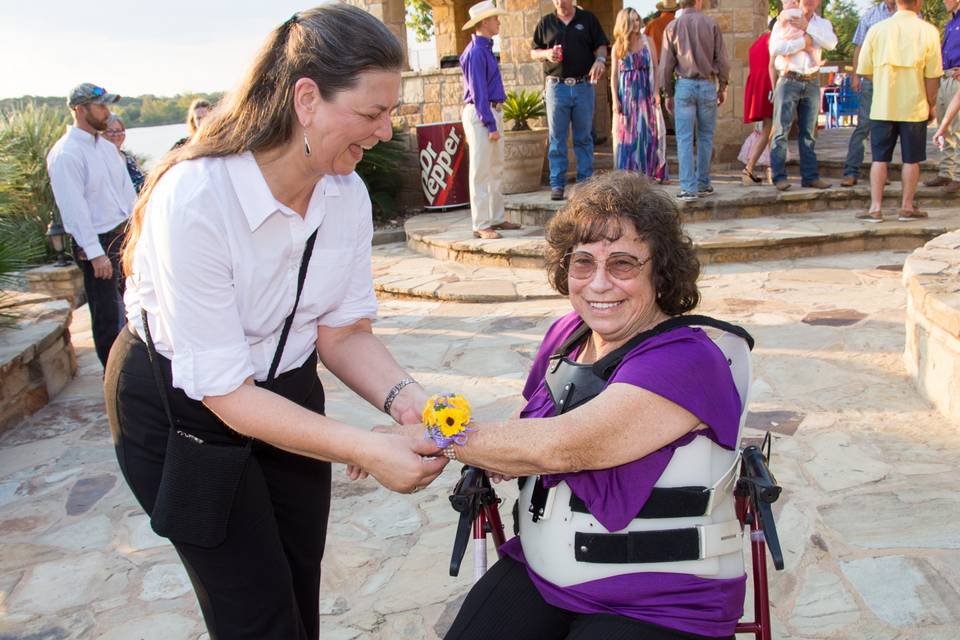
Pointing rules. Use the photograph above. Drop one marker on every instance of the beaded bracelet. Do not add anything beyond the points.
(446, 417)
(394, 392)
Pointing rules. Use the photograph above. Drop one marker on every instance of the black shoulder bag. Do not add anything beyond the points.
(199, 480)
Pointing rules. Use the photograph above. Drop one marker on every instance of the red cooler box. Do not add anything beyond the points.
(444, 165)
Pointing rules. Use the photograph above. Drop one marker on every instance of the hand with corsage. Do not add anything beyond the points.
(446, 417)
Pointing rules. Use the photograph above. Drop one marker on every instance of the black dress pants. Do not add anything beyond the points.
(104, 295)
(263, 581)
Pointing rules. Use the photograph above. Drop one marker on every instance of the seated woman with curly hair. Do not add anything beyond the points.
(628, 438)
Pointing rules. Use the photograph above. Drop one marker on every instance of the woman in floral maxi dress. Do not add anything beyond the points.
(639, 134)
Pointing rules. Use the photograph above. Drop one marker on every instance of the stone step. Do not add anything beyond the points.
(448, 237)
(732, 200)
(399, 272)
(832, 147)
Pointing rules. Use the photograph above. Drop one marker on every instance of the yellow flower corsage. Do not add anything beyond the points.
(446, 417)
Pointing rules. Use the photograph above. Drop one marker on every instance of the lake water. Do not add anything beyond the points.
(153, 142)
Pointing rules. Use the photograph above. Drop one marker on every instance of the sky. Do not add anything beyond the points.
(135, 47)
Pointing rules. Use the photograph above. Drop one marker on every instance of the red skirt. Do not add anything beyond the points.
(756, 106)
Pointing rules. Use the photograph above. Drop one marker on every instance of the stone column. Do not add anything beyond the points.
(741, 21)
(448, 20)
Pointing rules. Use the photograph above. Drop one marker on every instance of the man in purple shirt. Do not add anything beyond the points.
(483, 96)
(948, 174)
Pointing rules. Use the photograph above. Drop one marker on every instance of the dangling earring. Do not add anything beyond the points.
(306, 145)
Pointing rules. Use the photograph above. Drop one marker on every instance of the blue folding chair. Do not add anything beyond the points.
(844, 103)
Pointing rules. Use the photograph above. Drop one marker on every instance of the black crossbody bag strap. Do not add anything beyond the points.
(301, 278)
(152, 351)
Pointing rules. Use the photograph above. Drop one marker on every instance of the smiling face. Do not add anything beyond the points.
(354, 120)
(615, 309)
(115, 133)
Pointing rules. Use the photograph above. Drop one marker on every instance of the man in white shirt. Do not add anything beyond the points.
(797, 94)
(95, 197)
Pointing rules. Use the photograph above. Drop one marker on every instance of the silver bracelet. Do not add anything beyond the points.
(394, 392)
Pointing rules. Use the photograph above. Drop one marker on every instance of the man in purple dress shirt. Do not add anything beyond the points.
(948, 174)
(483, 97)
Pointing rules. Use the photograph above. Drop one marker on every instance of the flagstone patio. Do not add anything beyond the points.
(869, 468)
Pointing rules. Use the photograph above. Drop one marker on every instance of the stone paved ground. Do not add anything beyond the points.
(867, 519)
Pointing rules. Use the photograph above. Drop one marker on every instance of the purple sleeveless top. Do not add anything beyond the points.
(684, 366)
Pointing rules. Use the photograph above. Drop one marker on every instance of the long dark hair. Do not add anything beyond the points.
(331, 44)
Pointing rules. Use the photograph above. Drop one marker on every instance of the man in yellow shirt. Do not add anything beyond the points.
(902, 55)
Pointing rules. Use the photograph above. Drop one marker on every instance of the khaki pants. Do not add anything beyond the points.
(950, 165)
(486, 170)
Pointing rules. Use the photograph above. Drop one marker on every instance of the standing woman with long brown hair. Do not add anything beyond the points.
(249, 257)
(639, 133)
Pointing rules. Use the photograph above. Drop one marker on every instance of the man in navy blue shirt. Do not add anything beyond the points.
(483, 98)
(573, 48)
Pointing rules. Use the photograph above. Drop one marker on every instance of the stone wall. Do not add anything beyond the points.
(436, 95)
(36, 356)
(64, 283)
(931, 354)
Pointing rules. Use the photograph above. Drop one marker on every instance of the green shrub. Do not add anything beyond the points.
(26, 200)
(523, 106)
(380, 170)
(18, 251)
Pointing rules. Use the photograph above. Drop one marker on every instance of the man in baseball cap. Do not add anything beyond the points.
(86, 93)
(95, 196)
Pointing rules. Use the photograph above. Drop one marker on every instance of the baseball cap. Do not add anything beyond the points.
(86, 93)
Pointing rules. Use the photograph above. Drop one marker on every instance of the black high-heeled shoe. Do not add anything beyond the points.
(748, 179)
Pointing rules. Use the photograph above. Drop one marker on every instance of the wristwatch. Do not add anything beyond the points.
(602, 59)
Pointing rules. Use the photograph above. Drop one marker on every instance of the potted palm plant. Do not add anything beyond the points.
(524, 147)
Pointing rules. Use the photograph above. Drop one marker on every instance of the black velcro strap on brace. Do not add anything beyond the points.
(638, 547)
(672, 502)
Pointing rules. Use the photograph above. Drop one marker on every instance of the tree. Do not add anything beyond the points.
(844, 16)
(420, 19)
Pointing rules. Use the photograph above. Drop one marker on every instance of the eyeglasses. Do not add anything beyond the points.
(98, 91)
(622, 266)
(115, 134)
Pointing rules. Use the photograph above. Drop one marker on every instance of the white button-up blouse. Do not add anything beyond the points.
(216, 270)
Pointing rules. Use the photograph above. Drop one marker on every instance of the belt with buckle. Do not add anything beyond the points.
(567, 81)
(793, 75)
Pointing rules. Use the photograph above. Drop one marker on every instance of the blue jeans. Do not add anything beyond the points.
(696, 110)
(798, 99)
(568, 105)
(855, 151)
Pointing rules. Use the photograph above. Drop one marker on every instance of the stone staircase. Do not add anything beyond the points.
(442, 260)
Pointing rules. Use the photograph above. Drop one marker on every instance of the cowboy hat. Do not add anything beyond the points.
(669, 5)
(480, 11)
